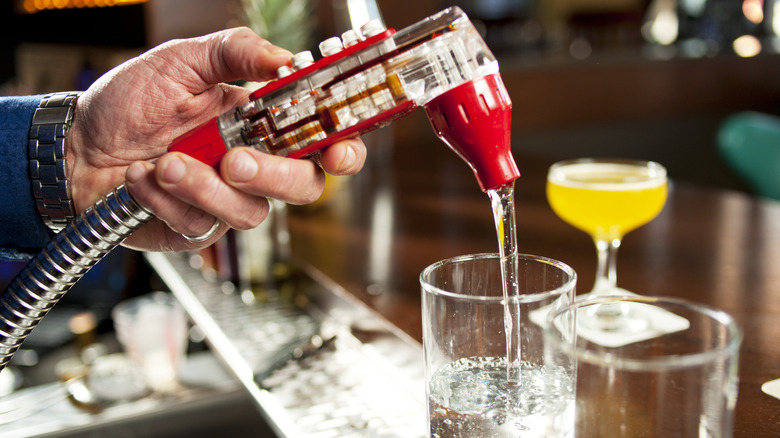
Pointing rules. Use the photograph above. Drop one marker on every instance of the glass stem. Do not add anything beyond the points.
(610, 317)
(606, 272)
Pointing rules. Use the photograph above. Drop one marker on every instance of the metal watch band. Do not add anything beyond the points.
(48, 166)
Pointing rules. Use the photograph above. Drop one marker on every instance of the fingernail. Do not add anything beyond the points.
(173, 170)
(135, 172)
(349, 159)
(242, 167)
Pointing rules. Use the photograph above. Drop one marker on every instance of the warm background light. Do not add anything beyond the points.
(747, 46)
(753, 10)
(32, 6)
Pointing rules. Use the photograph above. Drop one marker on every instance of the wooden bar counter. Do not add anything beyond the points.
(416, 203)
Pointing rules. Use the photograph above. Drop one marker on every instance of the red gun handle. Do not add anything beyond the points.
(204, 143)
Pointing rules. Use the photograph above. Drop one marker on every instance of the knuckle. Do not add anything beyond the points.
(252, 218)
(209, 191)
(194, 222)
(313, 194)
(303, 187)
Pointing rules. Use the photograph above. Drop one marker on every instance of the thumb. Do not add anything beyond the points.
(239, 53)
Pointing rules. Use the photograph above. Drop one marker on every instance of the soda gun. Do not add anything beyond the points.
(364, 80)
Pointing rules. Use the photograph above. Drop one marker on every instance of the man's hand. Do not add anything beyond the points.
(125, 122)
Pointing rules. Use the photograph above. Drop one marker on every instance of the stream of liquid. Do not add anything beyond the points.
(502, 201)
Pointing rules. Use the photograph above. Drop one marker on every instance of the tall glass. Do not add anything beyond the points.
(607, 198)
(465, 348)
(683, 384)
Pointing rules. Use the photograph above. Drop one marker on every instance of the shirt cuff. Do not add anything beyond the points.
(23, 230)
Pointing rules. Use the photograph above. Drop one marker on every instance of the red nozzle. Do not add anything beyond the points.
(474, 119)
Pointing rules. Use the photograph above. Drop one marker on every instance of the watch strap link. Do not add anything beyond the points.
(47, 158)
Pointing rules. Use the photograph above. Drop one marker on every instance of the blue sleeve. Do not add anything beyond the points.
(22, 231)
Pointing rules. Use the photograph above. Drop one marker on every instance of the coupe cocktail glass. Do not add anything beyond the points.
(607, 198)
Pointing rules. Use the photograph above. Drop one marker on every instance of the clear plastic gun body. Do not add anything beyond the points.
(364, 81)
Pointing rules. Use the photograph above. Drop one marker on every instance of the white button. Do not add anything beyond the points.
(373, 27)
(331, 46)
(302, 59)
(283, 71)
(350, 38)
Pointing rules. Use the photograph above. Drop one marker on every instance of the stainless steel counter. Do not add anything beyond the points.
(305, 360)
(317, 362)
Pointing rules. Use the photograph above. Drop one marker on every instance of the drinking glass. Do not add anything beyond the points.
(152, 328)
(607, 198)
(682, 384)
(465, 347)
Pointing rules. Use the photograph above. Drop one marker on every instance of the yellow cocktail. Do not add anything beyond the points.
(606, 199)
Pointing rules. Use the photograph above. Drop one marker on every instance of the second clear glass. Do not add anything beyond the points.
(683, 384)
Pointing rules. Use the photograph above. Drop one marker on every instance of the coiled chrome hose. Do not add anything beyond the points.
(64, 260)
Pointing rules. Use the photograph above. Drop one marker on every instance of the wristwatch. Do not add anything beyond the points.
(46, 151)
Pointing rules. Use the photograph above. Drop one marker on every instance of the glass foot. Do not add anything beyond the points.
(614, 317)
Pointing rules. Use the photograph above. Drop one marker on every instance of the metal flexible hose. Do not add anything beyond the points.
(64, 260)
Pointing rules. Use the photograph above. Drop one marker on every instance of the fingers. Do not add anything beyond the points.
(188, 194)
(200, 186)
(179, 216)
(190, 197)
(259, 174)
(293, 181)
(345, 157)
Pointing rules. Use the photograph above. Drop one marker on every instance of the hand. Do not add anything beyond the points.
(133, 113)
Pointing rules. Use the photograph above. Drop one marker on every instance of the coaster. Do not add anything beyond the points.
(772, 388)
(661, 322)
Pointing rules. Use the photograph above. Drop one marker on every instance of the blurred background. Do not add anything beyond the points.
(648, 79)
(645, 78)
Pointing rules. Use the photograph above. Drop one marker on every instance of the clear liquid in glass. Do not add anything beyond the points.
(471, 398)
